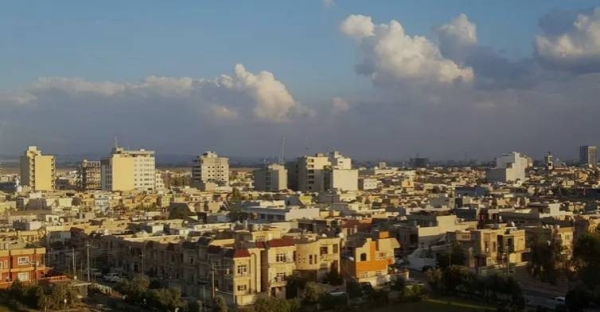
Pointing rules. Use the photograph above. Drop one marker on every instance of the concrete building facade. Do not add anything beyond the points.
(127, 170)
(509, 168)
(37, 171)
(272, 178)
(210, 168)
(89, 175)
(588, 155)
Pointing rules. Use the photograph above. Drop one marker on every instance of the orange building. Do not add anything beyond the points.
(368, 257)
(25, 264)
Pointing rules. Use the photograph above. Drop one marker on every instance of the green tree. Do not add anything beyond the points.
(353, 289)
(455, 255)
(399, 284)
(295, 284)
(333, 277)
(547, 260)
(179, 212)
(134, 289)
(435, 279)
(312, 293)
(220, 305)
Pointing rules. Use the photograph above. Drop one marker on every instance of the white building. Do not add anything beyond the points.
(366, 184)
(272, 178)
(326, 172)
(279, 213)
(210, 168)
(341, 179)
(126, 170)
(509, 168)
(160, 183)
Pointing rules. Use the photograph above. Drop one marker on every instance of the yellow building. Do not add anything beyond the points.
(491, 246)
(315, 255)
(38, 171)
(277, 263)
(117, 173)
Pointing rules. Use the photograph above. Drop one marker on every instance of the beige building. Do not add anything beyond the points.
(316, 256)
(38, 171)
(210, 168)
(272, 178)
(127, 170)
(324, 172)
(277, 261)
(491, 246)
(89, 175)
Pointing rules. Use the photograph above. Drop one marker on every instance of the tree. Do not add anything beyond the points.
(268, 304)
(547, 259)
(134, 290)
(453, 277)
(435, 278)
(220, 305)
(333, 277)
(179, 212)
(295, 284)
(399, 284)
(312, 293)
(353, 289)
(455, 255)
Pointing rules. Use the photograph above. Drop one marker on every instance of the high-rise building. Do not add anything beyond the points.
(127, 170)
(38, 171)
(588, 155)
(89, 175)
(272, 178)
(210, 168)
(326, 172)
(509, 168)
(549, 160)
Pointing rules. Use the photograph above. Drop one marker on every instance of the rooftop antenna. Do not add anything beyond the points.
(282, 151)
(116, 142)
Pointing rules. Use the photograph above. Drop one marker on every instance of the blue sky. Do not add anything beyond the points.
(303, 76)
(298, 40)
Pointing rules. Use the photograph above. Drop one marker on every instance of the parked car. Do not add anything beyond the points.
(112, 277)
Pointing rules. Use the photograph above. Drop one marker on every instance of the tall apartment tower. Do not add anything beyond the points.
(38, 171)
(324, 172)
(210, 168)
(588, 155)
(127, 170)
(89, 175)
(272, 178)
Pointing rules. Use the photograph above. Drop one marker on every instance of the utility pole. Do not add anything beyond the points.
(73, 258)
(87, 251)
(212, 281)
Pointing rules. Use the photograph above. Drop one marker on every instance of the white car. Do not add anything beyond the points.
(112, 277)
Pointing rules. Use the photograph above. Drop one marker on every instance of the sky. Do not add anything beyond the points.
(374, 79)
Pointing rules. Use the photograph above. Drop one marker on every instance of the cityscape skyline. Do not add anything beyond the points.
(460, 81)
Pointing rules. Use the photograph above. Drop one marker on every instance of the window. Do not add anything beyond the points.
(23, 276)
(280, 257)
(23, 260)
(242, 287)
(242, 269)
(363, 257)
(310, 260)
(324, 250)
(335, 248)
(280, 277)
(382, 255)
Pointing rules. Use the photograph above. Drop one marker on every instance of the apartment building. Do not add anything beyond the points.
(272, 178)
(281, 213)
(23, 264)
(210, 168)
(277, 263)
(424, 230)
(89, 175)
(509, 168)
(127, 170)
(495, 246)
(323, 172)
(38, 171)
(316, 256)
(368, 257)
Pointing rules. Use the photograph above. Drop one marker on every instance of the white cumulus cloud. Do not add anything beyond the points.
(456, 37)
(577, 45)
(390, 56)
(261, 96)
